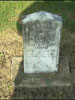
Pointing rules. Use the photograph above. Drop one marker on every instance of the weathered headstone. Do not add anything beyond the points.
(41, 36)
(41, 33)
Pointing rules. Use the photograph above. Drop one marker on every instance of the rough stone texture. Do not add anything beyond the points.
(41, 37)
(45, 85)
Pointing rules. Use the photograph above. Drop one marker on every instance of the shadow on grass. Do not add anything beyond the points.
(59, 8)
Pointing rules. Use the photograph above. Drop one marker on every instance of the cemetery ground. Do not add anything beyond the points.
(11, 40)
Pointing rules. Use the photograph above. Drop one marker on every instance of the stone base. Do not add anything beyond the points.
(45, 80)
(60, 78)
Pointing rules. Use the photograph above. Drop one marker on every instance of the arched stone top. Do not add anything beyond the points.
(41, 15)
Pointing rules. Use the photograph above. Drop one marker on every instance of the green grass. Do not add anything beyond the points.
(11, 11)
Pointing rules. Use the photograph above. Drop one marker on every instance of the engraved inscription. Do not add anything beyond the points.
(41, 35)
(40, 39)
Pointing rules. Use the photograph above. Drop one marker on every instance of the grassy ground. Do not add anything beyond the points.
(11, 34)
(10, 11)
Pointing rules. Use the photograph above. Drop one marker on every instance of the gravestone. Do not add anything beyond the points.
(41, 36)
(41, 68)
